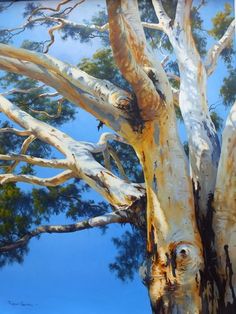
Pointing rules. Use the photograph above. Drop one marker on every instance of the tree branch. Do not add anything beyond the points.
(62, 22)
(57, 9)
(45, 113)
(51, 34)
(22, 91)
(100, 89)
(130, 52)
(164, 19)
(53, 181)
(105, 100)
(15, 131)
(116, 159)
(182, 15)
(215, 51)
(99, 221)
(23, 150)
(81, 161)
(101, 145)
(52, 163)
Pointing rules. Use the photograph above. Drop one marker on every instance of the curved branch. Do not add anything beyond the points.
(101, 145)
(99, 221)
(51, 34)
(23, 150)
(48, 8)
(116, 159)
(53, 181)
(215, 51)
(45, 113)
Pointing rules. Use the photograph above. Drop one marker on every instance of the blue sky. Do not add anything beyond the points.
(68, 273)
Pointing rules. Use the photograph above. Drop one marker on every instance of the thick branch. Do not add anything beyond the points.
(115, 217)
(130, 52)
(163, 18)
(81, 161)
(204, 145)
(182, 15)
(104, 100)
(101, 89)
(215, 51)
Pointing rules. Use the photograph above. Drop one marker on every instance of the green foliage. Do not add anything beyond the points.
(28, 101)
(8, 142)
(220, 24)
(221, 21)
(186, 148)
(66, 199)
(101, 65)
(85, 34)
(15, 219)
(228, 89)
(217, 120)
(33, 45)
(131, 253)
(129, 161)
(198, 34)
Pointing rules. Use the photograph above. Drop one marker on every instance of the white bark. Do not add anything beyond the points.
(104, 100)
(53, 181)
(79, 157)
(224, 222)
(203, 141)
(52, 163)
(170, 203)
(215, 51)
(104, 91)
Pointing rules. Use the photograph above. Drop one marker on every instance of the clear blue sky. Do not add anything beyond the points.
(69, 273)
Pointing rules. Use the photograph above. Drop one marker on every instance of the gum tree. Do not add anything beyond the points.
(185, 209)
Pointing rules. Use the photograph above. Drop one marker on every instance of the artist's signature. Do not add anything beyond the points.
(21, 303)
